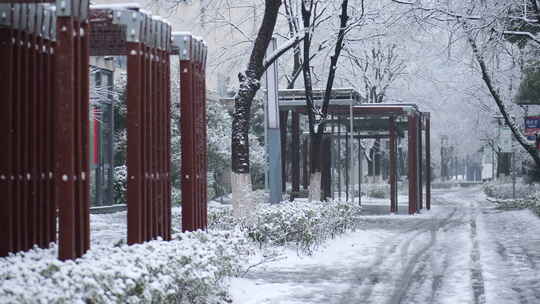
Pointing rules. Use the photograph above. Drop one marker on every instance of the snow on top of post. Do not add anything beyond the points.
(130, 6)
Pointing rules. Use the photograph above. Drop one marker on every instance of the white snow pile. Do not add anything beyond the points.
(189, 269)
(304, 225)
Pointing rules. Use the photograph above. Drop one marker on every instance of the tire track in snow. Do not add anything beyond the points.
(477, 277)
(405, 280)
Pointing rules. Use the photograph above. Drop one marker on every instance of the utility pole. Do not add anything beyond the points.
(273, 136)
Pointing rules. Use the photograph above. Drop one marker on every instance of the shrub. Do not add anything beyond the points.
(377, 190)
(503, 190)
(532, 202)
(120, 184)
(189, 269)
(301, 224)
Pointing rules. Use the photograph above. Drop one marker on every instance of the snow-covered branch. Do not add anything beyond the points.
(520, 33)
(518, 135)
(438, 10)
(283, 48)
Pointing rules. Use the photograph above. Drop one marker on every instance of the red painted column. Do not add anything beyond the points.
(25, 138)
(51, 151)
(48, 129)
(428, 161)
(17, 142)
(7, 141)
(77, 126)
(188, 143)
(85, 123)
(168, 187)
(135, 197)
(145, 144)
(65, 137)
(204, 139)
(150, 146)
(412, 165)
(393, 166)
(41, 138)
(420, 165)
(159, 144)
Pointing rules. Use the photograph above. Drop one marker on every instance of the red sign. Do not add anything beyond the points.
(532, 126)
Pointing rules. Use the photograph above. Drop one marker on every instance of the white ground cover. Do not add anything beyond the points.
(189, 269)
(462, 251)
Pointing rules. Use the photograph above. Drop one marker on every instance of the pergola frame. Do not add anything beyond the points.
(44, 168)
(360, 121)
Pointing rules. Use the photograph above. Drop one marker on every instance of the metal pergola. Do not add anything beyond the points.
(350, 120)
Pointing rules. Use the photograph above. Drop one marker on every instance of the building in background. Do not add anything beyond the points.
(102, 131)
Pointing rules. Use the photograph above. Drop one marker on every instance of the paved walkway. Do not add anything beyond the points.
(463, 251)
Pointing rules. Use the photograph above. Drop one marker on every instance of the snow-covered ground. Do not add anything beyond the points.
(463, 251)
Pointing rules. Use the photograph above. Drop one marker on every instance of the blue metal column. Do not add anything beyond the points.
(273, 141)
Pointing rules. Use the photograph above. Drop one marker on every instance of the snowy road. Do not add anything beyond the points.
(463, 251)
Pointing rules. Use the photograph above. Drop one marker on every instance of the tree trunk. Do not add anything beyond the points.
(249, 85)
(316, 115)
(315, 177)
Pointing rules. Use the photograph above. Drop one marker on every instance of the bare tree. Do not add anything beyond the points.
(499, 24)
(317, 114)
(379, 67)
(249, 84)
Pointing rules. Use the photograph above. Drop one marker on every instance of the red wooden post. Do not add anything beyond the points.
(204, 140)
(412, 165)
(393, 166)
(420, 166)
(186, 125)
(78, 134)
(64, 136)
(428, 161)
(40, 129)
(159, 144)
(134, 156)
(85, 123)
(25, 131)
(149, 133)
(31, 131)
(17, 136)
(7, 141)
(168, 187)
(51, 127)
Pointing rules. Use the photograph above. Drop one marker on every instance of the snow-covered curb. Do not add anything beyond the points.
(189, 269)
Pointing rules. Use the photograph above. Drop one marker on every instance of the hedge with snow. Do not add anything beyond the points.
(304, 225)
(189, 269)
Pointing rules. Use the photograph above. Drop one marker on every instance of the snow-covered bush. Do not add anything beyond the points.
(531, 202)
(120, 184)
(504, 189)
(189, 269)
(376, 190)
(301, 224)
(306, 225)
